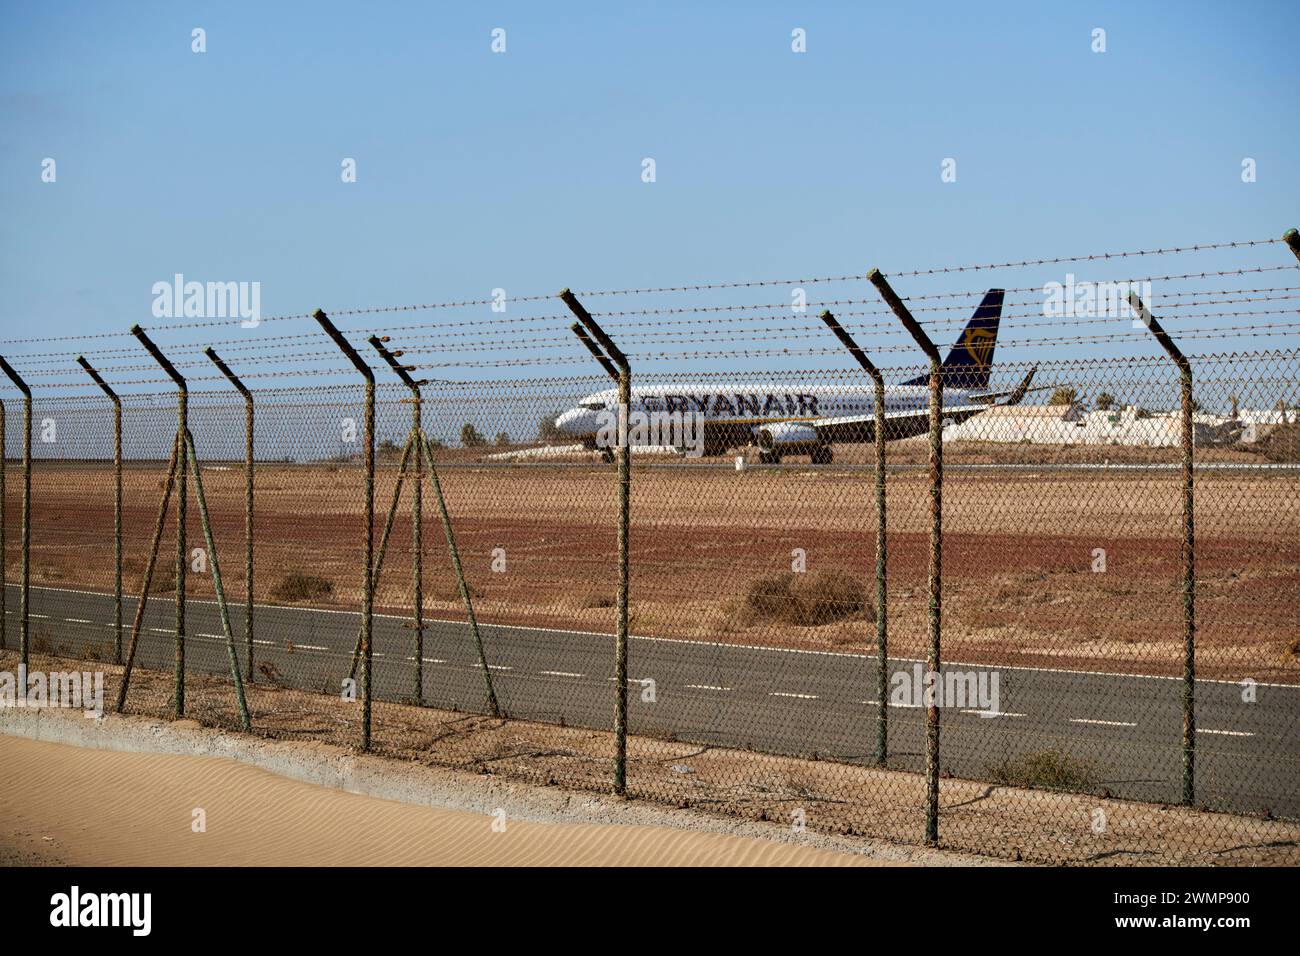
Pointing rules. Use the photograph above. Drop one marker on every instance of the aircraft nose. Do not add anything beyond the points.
(572, 422)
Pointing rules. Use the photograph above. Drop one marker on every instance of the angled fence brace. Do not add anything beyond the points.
(933, 655)
(1188, 545)
(193, 457)
(882, 623)
(367, 570)
(417, 510)
(615, 364)
(117, 505)
(417, 499)
(494, 706)
(182, 428)
(249, 467)
(146, 582)
(378, 571)
(25, 585)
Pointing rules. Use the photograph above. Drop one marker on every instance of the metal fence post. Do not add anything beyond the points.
(25, 585)
(182, 427)
(417, 509)
(933, 656)
(248, 502)
(117, 505)
(1292, 240)
(882, 625)
(4, 553)
(615, 357)
(425, 453)
(1188, 546)
(367, 574)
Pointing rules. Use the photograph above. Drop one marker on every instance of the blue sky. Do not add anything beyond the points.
(523, 170)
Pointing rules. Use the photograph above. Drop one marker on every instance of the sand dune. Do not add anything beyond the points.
(70, 805)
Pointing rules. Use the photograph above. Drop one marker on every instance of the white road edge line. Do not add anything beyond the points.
(679, 640)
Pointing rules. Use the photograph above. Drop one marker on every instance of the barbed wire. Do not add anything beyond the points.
(1275, 329)
(1105, 256)
(43, 368)
(755, 283)
(556, 387)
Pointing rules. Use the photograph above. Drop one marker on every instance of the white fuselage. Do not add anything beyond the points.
(739, 408)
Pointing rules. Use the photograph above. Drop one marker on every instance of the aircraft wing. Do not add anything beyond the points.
(862, 428)
(1013, 396)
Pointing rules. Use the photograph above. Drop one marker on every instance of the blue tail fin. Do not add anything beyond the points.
(971, 358)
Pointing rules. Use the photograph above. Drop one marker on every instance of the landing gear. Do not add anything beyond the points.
(769, 457)
(822, 455)
(607, 455)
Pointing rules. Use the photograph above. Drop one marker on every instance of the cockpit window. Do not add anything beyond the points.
(594, 406)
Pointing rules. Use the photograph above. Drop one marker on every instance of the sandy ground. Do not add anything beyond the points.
(61, 804)
(733, 788)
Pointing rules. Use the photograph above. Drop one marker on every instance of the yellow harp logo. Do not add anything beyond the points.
(979, 345)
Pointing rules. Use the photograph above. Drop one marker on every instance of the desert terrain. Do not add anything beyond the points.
(1023, 583)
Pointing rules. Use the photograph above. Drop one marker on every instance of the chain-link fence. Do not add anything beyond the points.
(1082, 643)
(753, 669)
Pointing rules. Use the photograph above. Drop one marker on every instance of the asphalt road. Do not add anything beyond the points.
(1128, 727)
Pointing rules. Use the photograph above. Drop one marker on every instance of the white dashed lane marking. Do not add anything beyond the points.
(706, 687)
(1102, 723)
(1226, 733)
(559, 674)
(782, 693)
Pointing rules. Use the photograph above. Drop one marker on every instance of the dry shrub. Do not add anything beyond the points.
(300, 586)
(809, 599)
(1282, 444)
(1045, 769)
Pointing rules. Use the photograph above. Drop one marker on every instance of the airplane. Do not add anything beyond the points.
(785, 419)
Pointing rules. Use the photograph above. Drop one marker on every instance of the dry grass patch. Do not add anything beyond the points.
(809, 599)
(298, 586)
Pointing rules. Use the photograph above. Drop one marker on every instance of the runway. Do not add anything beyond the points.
(1128, 728)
